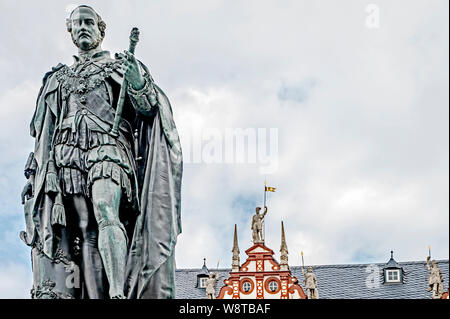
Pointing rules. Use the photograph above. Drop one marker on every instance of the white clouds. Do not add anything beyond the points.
(17, 107)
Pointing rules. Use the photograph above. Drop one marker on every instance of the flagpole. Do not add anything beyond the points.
(265, 196)
(264, 222)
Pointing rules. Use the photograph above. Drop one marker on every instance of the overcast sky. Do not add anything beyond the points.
(361, 112)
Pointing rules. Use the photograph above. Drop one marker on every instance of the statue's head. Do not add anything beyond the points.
(434, 262)
(309, 269)
(86, 27)
(258, 209)
(212, 275)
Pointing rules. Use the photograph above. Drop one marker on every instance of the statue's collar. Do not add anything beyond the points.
(95, 57)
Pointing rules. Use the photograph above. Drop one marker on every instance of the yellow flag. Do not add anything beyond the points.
(270, 189)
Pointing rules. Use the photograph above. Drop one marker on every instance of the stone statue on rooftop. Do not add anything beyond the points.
(435, 280)
(257, 225)
(211, 286)
(103, 192)
(310, 282)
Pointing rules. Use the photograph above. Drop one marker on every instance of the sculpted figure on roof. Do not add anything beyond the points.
(435, 280)
(257, 225)
(310, 283)
(211, 286)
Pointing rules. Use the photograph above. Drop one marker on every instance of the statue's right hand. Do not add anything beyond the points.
(28, 190)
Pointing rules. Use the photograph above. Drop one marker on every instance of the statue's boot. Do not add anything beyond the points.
(91, 263)
(92, 269)
(112, 238)
(112, 244)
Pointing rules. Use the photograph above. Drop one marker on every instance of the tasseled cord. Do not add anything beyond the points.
(52, 186)
(58, 212)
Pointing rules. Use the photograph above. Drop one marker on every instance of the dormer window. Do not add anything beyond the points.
(392, 275)
(202, 276)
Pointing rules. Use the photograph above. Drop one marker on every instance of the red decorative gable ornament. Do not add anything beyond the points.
(261, 277)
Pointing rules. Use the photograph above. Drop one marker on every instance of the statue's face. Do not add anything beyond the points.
(257, 210)
(85, 32)
(309, 269)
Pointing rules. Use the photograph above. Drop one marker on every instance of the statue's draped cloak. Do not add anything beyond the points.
(150, 268)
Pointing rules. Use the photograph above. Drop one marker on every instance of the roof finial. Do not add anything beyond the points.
(392, 263)
(283, 250)
(236, 260)
(204, 270)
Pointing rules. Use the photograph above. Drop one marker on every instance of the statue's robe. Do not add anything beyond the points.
(150, 271)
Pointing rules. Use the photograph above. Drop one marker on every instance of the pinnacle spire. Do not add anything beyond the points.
(283, 250)
(235, 241)
(236, 260)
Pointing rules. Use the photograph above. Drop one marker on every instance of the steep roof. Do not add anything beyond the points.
(350, 281)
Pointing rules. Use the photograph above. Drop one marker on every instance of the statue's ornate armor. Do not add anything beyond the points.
(84, 149)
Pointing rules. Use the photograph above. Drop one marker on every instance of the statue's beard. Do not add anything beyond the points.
(91, 46)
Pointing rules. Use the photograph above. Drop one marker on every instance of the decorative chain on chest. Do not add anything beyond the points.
(88, 77)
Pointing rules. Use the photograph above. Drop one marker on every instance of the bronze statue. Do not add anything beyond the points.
(104, 180)
(435, 280)
(310, 283)
(257, 226)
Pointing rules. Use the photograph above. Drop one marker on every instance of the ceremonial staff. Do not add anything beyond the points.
(134, 39)
(303, 266)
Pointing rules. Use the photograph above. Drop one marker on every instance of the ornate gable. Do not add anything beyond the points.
(260, 277)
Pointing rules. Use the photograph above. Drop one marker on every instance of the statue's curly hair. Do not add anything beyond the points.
(101, 23)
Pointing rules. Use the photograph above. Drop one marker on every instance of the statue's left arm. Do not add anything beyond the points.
(141, 87)
(144, 100)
